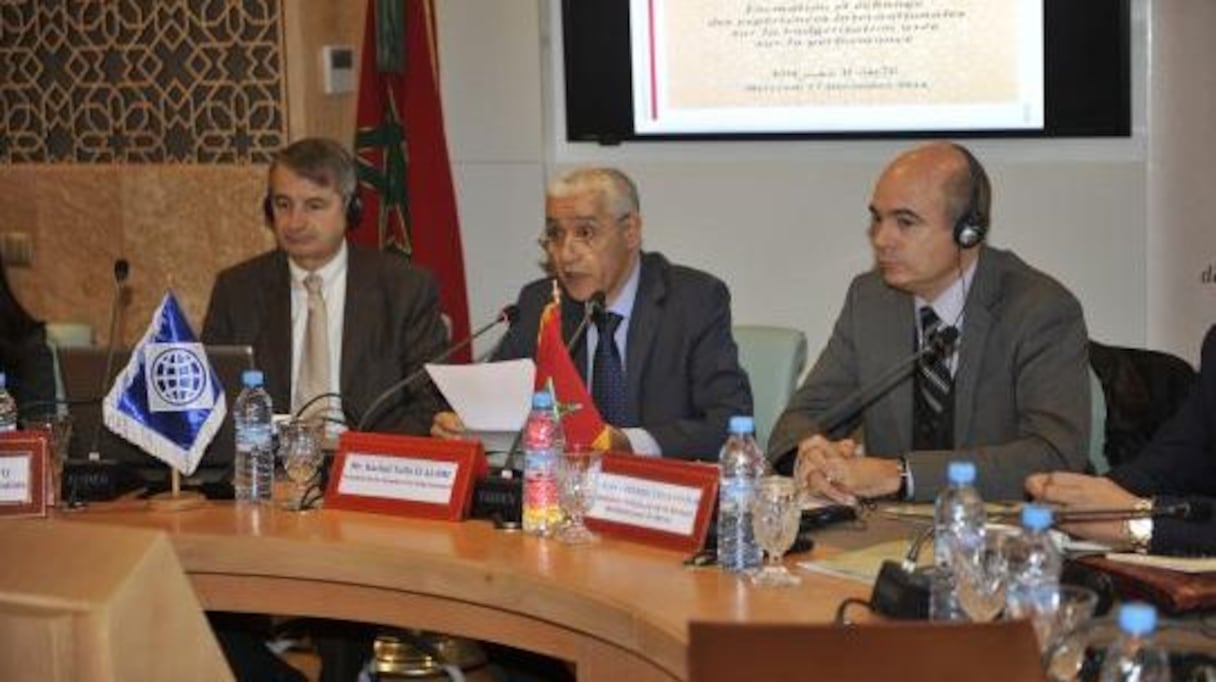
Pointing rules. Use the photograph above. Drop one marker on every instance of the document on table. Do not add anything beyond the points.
(491, 398)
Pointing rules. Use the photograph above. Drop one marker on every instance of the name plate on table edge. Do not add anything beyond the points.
(24, 473)
(661, 502)
(427, 478)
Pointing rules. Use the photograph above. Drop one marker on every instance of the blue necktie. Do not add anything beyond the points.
(607, 370)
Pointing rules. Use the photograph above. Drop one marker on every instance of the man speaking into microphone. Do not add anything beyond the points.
(660, 360)
(1010, 394)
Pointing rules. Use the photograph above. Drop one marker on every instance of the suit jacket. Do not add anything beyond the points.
(1021, 388)
(682, 373)
(1180, 463)
(391, 326)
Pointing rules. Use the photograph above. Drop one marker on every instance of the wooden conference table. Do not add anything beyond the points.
(618, 610)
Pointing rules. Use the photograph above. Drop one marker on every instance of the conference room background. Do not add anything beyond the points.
(1124, 222)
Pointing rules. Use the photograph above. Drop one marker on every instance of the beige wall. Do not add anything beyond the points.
(176, 224)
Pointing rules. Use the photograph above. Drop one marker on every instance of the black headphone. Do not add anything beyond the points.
(972, 226)
(354, 210)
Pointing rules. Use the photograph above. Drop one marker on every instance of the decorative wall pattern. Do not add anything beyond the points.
(141, 81)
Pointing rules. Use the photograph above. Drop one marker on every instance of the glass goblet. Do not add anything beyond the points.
(58, 428)
(776, 511)
(1055, 610)
(981, 577)
(578, 473)
(300, 453)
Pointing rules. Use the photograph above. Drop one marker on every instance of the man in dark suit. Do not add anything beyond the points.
(1012, 394)
(371, 319)
(670, 325)
(1177, 466)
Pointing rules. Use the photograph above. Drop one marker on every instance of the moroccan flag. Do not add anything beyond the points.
(581, 420)
(404, 174)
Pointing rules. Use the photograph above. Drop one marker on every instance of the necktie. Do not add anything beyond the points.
(607, 370)
(934, 372)
(314, 355)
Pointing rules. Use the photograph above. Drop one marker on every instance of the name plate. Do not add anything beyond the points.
(404, 475)
(23, 473)
(662, 502)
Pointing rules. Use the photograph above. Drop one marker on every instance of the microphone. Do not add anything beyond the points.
(1191, 511)
(939, 345)
(507, 315)
(593, 307)
(122, 269)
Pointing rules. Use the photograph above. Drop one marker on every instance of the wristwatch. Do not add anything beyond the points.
(905, 477)
(1139, 531)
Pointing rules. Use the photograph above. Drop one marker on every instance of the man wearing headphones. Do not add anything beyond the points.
(1010, 393)
(323, 316)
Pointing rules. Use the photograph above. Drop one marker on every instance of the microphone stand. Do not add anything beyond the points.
(122, 269)
(507, 315)
(939, 345)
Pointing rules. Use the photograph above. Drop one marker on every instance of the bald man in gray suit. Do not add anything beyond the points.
(1012, 394)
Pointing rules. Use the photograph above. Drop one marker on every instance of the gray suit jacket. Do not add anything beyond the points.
(682, 373)
(391, 326)
(1021, 388)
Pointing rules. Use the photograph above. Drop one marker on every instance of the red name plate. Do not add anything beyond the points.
(405, 475)
(662, 502)
(24, 456)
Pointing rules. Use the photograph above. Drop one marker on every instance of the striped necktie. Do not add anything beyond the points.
(936, 382)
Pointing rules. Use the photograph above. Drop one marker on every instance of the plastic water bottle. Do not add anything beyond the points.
(741, 464)
(8, 407)
(1134, 657)
(543, 443)
(253, 414)
(958, 536)
(1034, 566)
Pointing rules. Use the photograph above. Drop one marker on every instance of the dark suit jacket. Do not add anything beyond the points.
(1021, 390)
(1180, 462)
(391, 327)
(682, 373)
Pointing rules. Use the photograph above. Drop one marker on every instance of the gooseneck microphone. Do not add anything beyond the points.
(594, 306)
(122, 270)
(507, 315)
(939, 345)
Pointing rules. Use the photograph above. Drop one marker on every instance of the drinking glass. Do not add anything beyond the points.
(301, 454)
(578, 472)
(58, 428)
(1056, 611)
(775, 515)
(981, 577)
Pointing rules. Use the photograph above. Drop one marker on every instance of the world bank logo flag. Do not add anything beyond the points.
(167, 401)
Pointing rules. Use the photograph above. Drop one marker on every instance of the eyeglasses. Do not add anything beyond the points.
(583, 232)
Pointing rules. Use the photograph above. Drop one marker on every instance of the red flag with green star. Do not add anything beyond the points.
(405, 176)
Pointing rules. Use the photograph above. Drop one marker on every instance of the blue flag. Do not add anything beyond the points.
(168, 400)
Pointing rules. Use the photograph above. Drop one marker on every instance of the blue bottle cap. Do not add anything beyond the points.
(742, 423)
(3, 380)
(1137, 618)
(961, 472)
(1036, 517)
(541, 400)
(252, 378)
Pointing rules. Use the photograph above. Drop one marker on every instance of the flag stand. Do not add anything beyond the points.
(176, 499)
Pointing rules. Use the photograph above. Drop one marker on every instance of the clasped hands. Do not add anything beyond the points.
(839, 471)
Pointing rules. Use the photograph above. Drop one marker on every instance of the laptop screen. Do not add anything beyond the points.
(82, 370)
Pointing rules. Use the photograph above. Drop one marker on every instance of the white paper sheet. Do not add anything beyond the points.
(492, 398)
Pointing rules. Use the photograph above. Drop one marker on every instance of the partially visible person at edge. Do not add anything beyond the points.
(1177, 469)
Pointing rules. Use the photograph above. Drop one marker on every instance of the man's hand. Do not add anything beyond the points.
(820, 466)
(1071, 491)
(447, 425)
